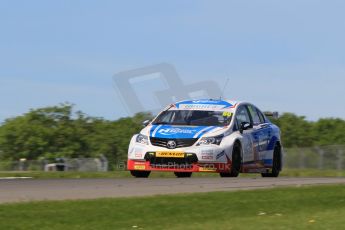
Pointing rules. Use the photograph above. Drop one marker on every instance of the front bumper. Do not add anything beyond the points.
(211, 158)
(204, 154)
(184, 162)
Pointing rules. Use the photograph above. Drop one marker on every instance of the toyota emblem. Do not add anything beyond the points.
(171, 144)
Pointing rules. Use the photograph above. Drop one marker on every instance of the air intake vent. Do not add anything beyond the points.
(180, 143)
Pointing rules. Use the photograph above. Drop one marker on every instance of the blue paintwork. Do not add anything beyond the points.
(179, 132)
(272, 143)
(268, 162)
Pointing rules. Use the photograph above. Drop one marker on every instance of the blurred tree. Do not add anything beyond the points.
(329, 131)
(57, 131)
(296, 131)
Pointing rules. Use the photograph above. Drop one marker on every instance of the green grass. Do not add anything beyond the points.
(125, 174)
(312, 173)
(321, 207)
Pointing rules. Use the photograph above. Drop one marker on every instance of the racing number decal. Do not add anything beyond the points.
(227, 114)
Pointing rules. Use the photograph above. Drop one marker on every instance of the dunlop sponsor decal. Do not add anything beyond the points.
(170, 154)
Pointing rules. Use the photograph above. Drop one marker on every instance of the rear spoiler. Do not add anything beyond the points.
(274, 115)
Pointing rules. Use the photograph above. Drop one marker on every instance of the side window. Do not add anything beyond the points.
(242, 116)
(166, 116)
(262, 117)
(254, 114)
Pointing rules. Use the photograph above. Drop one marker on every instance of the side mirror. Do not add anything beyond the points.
(274, 115)
(146, 123)
(245, 126)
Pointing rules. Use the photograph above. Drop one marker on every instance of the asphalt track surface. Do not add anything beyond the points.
(22, 190)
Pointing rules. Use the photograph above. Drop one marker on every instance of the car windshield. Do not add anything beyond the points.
(194, 118)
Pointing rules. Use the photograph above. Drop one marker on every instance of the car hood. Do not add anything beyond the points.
(181, 132)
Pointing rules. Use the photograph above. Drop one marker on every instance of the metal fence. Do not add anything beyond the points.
(76, 164)
(325, 157)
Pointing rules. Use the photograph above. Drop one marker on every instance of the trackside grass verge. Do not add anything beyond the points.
(321, 207)
(125, 174)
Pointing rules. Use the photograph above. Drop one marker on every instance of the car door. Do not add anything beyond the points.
(267, 148)
(261, 134)
(242, 115)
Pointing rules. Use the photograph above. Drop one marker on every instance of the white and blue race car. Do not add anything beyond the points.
(225, 137)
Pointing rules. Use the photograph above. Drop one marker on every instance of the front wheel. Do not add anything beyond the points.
(276, 167)
(236, 162)
(183, 174)
(140, 174)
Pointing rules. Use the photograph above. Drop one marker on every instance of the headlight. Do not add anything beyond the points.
(142, 139)
(211, 140)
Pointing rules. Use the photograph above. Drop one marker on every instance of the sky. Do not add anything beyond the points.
(286, 56)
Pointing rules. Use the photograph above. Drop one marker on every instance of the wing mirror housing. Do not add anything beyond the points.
(245, 126)
(274, 115)
(146, 123)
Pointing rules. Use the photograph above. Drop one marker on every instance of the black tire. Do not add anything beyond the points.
(183, 174)
(277, 164)
(236, 162)
(140, 174)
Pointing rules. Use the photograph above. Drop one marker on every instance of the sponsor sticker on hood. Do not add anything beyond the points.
(168, 131)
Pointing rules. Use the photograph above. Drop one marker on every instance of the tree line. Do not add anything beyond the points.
(59, 131)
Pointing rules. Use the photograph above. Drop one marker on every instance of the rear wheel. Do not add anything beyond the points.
(276, 167)
(183, 174)
(236, 162)
(140, 174)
